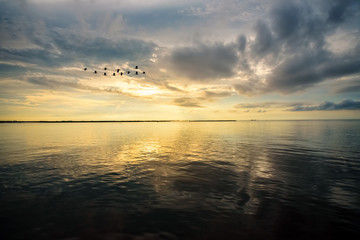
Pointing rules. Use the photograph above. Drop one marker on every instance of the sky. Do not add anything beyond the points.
(204, 59)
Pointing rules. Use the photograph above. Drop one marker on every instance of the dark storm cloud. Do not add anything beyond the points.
(297, 27)
(340, 9)
(307, 69)
(343, 65)
(50, 38)
(285, 19)
(102, 49)
(67, 48)
(204, 62)
(290, 42)
(297, 73)
(264, 42)
(349, 89)
(241, 41)
(7, 70)
(39, 57)
(297, 38)
(243, 59)
(297, 106)
(329, 106)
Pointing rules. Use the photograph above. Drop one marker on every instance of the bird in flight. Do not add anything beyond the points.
(118, 71)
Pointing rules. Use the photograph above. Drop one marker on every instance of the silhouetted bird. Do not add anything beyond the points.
(137, 72)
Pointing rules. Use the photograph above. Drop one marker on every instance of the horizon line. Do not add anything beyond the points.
(134, 121)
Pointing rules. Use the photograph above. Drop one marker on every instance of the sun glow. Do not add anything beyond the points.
(146, 91)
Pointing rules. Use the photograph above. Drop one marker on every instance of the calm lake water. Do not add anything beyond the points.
(180, 180)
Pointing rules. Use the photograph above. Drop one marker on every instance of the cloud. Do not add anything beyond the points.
(289, 47)
(187, 102)
(102, 49)
(241, 42)
(251, 86)
(212, 94)
(54, 84)
(251, 47)
(307, 69)
(297, 42)
(204, 96)
(50, 83)
(204, 62)
(266, 105)
(286, 19)
(51, 39)
(298, 106)
(7, 70)
(264, 42)
(70, 48)
(296, 73)
(349, 89)
(329, 106)
(341, 9)
(255, 105)
(169, 87)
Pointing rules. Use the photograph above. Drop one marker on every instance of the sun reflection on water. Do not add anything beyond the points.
(198, 175)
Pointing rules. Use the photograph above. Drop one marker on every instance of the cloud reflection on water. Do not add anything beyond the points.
(187, 179)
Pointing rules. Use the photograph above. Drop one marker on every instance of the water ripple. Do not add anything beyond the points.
(263, 180)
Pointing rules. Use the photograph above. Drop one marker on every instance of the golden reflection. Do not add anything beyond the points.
(149, 158)
(138, 151)
(151, 153)
(155, 156)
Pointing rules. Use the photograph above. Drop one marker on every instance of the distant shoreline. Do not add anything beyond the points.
(145, 121)
(119, 121)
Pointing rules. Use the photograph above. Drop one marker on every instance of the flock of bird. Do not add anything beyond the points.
(119, 72)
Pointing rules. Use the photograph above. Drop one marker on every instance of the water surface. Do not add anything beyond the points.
(180, 180)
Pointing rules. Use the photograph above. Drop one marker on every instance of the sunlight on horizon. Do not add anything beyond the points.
(202, 59)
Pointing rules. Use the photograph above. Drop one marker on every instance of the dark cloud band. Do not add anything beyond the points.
(329, 106)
